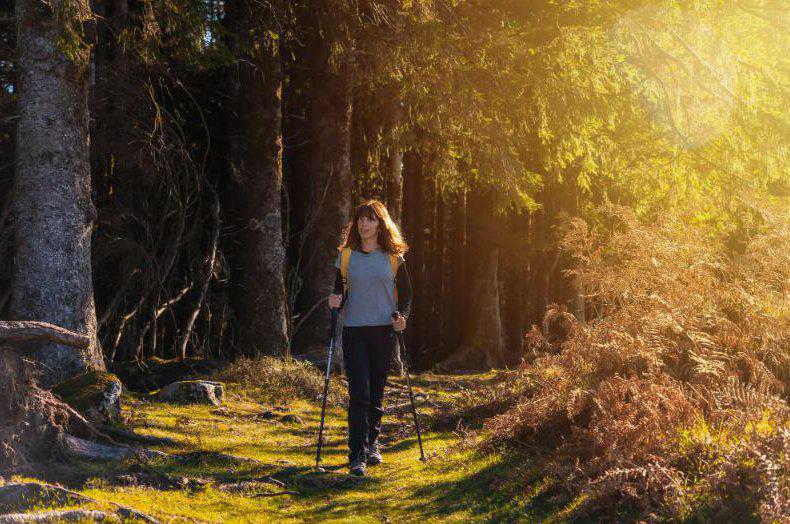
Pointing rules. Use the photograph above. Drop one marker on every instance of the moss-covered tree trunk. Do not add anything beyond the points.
(254, 195)
(53, 211)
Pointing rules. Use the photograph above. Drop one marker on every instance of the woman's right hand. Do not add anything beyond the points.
(335, 301)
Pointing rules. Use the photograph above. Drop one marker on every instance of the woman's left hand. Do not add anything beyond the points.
(399, 324)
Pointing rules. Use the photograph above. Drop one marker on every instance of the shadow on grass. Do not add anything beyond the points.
(450, 382)
(411, 442)
(498, 492)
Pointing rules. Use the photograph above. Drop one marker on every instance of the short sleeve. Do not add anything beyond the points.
(337, 262)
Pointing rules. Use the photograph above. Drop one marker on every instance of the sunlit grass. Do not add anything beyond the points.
(456, 484)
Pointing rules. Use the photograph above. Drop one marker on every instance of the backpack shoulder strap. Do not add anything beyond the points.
(345, 258)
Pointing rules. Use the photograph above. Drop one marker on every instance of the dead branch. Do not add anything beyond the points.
(209, 275)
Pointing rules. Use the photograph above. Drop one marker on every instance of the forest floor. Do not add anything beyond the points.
(273, 448)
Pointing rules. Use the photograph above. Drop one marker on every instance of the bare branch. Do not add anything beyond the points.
(209, 275)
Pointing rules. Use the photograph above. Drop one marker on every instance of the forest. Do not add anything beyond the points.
(596, 201)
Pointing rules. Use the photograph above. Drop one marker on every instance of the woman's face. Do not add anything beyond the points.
(368, 227)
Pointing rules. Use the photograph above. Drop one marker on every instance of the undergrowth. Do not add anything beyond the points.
(278, 380)
(673, 401)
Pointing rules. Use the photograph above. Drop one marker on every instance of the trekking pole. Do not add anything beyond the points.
(408, 384)
(326, 383)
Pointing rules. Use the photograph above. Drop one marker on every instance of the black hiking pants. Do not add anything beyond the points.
(367, 354)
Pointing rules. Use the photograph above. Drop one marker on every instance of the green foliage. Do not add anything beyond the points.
(71, 17)
(178, 32)
(660, 105)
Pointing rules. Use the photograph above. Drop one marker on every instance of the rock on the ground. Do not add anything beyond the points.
(20, 496)
(91, 450)
(192, 392)
(155, 373)
(95, 394)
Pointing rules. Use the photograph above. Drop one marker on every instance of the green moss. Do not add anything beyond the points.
(457, 484)
(86, 390)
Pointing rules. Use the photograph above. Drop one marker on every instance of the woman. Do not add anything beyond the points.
(371, 284)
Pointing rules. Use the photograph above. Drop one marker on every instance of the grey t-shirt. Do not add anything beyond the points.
(371, 289)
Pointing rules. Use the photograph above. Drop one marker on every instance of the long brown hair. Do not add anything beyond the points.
(389, 237)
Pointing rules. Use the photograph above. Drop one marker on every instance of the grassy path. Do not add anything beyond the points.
(455, 485)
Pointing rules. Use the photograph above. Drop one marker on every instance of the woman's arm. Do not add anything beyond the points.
(403, 285)
(338, 283)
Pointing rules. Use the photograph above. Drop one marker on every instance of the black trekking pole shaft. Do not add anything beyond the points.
(326, 385)
(411, 393)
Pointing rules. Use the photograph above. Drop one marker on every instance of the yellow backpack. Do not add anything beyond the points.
(345, 258)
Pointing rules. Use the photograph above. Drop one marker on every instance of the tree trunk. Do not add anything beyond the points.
(432, 265)
(52, 278)
(330, 183)
(454, 288)
(395, 184)
(413, 203)
(483, 344)
(513, 279)
(394, 167)
(254, 196)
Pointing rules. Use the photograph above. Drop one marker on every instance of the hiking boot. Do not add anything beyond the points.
(374, 455)
(358, 467)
